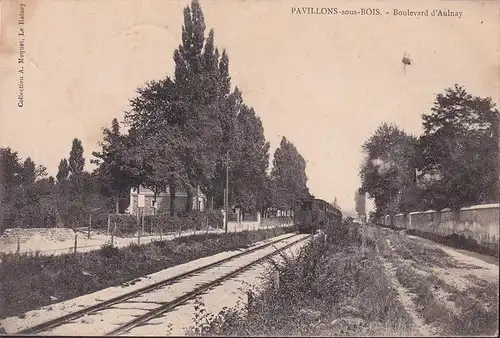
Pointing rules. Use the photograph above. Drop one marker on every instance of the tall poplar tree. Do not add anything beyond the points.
(76, 161)
(288, 175)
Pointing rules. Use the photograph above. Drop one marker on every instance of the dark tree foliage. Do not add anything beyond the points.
(360, 202)
(10, 168)
(388, 172)
(183, 129)
(112, 172)
(288, 176)
(459, 148)
(25, 195)
(76, 161)
(63, 170)
(28, 174)
(251, 161)
(229, 149)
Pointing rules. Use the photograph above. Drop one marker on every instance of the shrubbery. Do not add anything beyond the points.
(128, 224)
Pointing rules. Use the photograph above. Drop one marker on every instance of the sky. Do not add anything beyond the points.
(324, 82)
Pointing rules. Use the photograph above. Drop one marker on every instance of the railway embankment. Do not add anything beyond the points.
(30, 281)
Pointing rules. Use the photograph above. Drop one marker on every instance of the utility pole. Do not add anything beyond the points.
(90, 223)
(226, 197)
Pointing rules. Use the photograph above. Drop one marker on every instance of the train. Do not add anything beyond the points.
(312, 214)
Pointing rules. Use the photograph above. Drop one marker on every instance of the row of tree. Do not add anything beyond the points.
(187, 131)
(182, 132)
(31, 199)
(454, 163)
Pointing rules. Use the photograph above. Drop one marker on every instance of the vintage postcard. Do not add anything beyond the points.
(249, 167)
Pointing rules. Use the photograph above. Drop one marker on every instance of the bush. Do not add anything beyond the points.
(125, 224)
(344, 233)
(128, 225)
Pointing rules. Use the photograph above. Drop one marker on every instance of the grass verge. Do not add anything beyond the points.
(30, 281)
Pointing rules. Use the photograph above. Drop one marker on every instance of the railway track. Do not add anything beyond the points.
(217, 272)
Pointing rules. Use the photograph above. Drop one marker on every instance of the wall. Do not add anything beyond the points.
(480, 222)
(55, 234)
(163, 204)
(274, 222)
(400, 220)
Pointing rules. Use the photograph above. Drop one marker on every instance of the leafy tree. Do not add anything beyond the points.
(156, 107)
(31, 172)
(28, 172)
(251, 160)
(230, 147)
(76, 161)
(11, 168)
(24, 193)
(388, 171)
(204, 82)
(360, 202)
(10, 180)
(112, 169)
(62, 170)
(163, 165)
(459, 147)
(288, 175)
(192, 105)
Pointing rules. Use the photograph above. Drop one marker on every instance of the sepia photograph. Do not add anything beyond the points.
(249, 168)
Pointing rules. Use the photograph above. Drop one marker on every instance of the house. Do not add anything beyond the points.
(199, 200)
(425, 178)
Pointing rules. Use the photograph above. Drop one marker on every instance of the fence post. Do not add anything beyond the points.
(113, 234)
(90, 223)
(362, 239)
(276, 280)
(206, 223)
(250, 300)
(18, 250)
(139, 231)
(109, 221)
(142, 224)
(76, 243)
(161, 230)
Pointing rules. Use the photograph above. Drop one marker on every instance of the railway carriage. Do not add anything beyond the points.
(312, 214)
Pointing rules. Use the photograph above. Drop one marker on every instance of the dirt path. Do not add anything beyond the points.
(405, 296)
(466, 262)
(445, 291)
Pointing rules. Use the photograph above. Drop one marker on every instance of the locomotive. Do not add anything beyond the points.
(312, 214)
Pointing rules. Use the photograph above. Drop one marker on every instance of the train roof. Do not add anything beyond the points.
(312, 198)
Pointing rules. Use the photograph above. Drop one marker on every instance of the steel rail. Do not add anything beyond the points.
(193, 293)
(110, 302)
